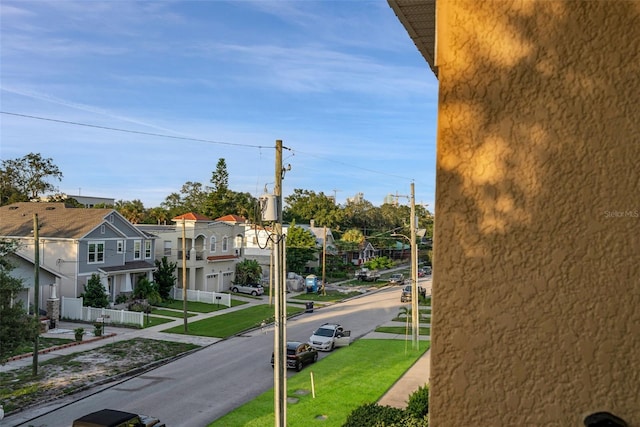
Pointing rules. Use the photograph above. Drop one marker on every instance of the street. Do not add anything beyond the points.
(201, 387)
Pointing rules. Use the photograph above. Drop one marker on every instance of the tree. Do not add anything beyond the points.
(133, 211)
(94, 293)
(16, 326)
(27, 178)
(248, 272)
(165, 277)
(301, 248)
(304, 206)
(147, 290)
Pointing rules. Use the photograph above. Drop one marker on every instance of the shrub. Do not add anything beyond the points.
(374, 415)
(122, 298)
(418, 404)
(94, 293)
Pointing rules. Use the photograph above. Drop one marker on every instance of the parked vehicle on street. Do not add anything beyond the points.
(115, 418)
(406, 293)
(366, 275)
(426, 270)
(299, 354)
(329, 336)
(396, 279)
(254, 289)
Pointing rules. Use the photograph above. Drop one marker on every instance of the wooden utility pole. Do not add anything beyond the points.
(415, 314)
(184, 275)
(324, 259)
(280, 337)
(36, 291)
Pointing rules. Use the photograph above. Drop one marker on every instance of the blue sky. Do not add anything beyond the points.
(339, 82)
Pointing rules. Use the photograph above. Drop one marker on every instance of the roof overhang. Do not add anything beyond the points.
(419, 19)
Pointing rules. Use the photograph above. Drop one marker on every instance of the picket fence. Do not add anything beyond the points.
(72, 309)
(202, 296)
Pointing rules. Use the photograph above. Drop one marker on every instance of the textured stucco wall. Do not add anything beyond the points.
(536, 295)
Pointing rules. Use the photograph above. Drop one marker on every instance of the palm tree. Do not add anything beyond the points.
(406, 311)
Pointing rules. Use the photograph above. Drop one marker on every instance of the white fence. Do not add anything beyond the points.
(202, 296)
(72, 309)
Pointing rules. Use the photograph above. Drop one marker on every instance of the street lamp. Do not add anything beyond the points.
(415, 315)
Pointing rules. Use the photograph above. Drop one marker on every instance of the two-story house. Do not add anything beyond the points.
(211, 249)
(73, 244)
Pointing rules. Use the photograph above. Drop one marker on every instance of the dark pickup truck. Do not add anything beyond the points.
(114, 418)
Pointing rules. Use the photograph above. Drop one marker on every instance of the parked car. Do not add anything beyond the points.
(254, 289)
(406, 293)
(426, 270)
(115, 418)
(329, 336)
(298, 355)
(396, 279)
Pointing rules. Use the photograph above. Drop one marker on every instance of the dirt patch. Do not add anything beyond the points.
(70, 374)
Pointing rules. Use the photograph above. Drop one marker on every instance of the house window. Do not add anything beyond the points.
(212, 244)
(147, 249)
(225, 244)
(120, 246)
(95, 252)
(102, 229)
(167, 247)
(137, 249)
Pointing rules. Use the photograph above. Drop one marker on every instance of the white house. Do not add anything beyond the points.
(211, 249)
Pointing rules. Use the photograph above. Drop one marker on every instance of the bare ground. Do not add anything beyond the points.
(76, 372)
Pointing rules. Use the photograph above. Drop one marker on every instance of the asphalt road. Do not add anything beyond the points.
(197, 389)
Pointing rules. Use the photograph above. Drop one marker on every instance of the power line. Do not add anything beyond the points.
(135, 131)
(68, 122)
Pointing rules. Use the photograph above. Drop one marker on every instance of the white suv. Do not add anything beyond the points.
(329, 336)
(251, 289)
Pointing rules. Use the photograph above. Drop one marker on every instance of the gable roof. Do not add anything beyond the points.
(191, 216)
(232, 218)
(55, 220)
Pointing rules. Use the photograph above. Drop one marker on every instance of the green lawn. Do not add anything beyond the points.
(226, 325)
(171, 313)
(198, 307)
(346, 379)
(150, 321)
(401, 330)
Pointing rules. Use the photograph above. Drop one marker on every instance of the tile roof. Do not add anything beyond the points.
(55, 220)
(232, 218)
(191, 216)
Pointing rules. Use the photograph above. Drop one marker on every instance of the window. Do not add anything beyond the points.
(225, 244)
(95, 252)
(147, 249)
(120, 246)
(102, 229)
(167, 247)
(137, 249)
(212, 244)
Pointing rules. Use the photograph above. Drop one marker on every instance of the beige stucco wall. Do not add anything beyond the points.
(536, 295)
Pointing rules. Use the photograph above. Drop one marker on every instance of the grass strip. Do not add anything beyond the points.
(198, 307)
(401, 330)
(229, 324)
(343, 381)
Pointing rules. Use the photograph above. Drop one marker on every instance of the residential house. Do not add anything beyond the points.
(211, 249)
(364, 252)
(320, 234)
(74, 244)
